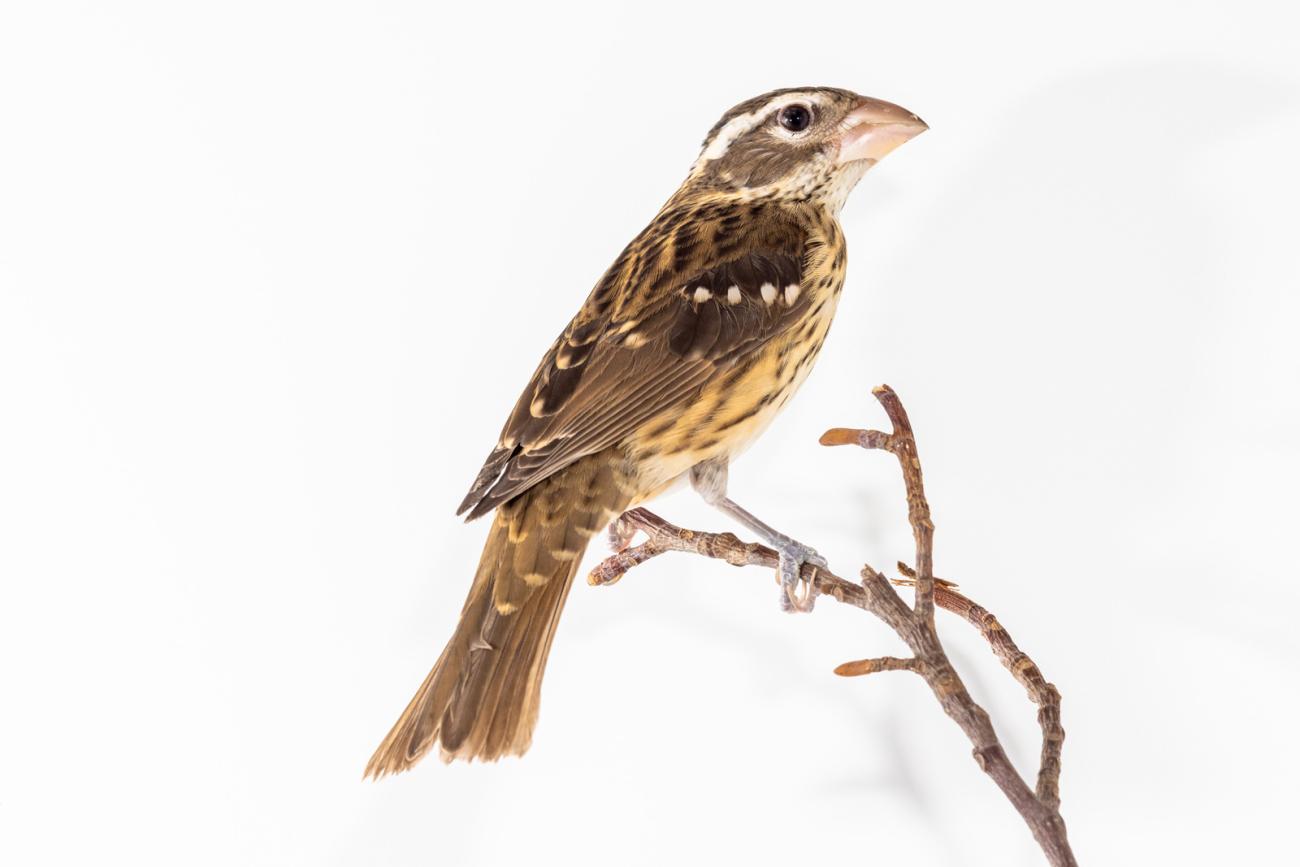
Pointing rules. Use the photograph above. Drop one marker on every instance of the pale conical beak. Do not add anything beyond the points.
(874, 128)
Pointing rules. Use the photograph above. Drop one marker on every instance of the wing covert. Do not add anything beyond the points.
(609, 374)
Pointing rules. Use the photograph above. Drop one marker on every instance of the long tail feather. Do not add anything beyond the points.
(481, 699)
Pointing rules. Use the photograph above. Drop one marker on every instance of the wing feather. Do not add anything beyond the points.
(640, 349)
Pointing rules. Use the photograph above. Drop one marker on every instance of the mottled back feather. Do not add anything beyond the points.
(702, 288)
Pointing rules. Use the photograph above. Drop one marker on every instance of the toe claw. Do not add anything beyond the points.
(619, 534)
(793, 555)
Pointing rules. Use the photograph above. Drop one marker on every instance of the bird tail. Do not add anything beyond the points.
(480, 700)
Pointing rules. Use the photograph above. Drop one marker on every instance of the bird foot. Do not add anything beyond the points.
(620, 534)
(793, 555)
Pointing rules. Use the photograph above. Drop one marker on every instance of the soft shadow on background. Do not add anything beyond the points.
(273, 274)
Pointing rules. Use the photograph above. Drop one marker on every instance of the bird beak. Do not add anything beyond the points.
(874, 128)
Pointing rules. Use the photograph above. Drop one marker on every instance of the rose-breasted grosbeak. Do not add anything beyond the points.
(684, 352)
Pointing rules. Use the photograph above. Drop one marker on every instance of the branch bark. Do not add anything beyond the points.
(915, 625)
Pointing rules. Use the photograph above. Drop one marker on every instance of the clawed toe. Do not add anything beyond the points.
(793, 555)
(619, 534)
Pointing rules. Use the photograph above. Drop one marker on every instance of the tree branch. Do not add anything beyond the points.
(915, 625)
(1023, 669)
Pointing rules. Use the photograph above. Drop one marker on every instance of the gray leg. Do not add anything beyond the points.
(710, 480)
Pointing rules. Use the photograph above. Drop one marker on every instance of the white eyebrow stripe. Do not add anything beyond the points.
(743, 123)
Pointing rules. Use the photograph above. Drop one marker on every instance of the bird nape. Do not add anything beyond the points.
(687, 348)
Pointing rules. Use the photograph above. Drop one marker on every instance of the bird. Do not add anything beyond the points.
(682, 354)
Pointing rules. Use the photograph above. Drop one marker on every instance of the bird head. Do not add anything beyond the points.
(808, 144)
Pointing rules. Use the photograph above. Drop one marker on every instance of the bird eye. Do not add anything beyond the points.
(795, 118)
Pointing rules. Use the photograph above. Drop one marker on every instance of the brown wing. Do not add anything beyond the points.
(610, 373)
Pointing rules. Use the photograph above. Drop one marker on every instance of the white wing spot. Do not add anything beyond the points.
(769, 293)
(791, 293)
(733, 295)
(702, 295)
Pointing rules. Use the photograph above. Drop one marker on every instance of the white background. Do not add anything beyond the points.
(271, 276)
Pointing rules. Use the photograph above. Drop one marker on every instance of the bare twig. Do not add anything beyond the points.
(902, 445)
(915, 625)
(1023, 669)
(881, 663)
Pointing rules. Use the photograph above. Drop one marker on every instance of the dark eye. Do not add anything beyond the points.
(795, 118)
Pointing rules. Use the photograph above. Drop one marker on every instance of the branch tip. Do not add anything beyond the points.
(841, 436)
(859, 667)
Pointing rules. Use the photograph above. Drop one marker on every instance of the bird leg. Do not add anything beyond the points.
(709, 479)
(793, 554)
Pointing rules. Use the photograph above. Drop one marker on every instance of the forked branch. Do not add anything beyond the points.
(915, 625)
